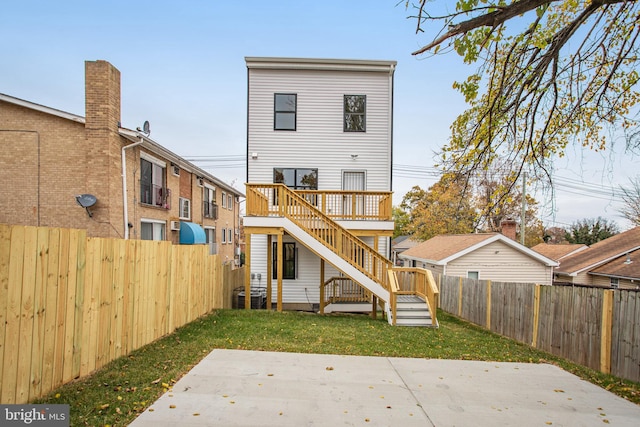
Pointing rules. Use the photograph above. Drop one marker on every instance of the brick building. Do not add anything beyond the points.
(50, 157)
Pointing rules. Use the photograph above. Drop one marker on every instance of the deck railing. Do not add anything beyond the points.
(278, 200)
(414, 281)
(342, 289)
(337, 205)
(351, 205)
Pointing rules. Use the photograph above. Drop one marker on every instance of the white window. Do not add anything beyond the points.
(229, 236)
(210, 234)
(230, 201)
(224, 200)
(224, 236)
(152, 229)
(473, 275)
(185, 208)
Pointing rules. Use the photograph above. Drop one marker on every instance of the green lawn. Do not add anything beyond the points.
(116, 394)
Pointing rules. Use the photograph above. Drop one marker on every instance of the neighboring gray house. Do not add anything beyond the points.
(484, 256)
(399, 245)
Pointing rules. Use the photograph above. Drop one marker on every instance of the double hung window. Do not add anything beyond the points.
(285, 108)
(288, 263)
(185, 208)
(355, 107)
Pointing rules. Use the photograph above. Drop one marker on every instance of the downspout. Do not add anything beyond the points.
(125, 207)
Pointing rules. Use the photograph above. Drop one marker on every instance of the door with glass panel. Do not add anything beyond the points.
(353, 204)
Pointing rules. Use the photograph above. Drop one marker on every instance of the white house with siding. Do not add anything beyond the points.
(319, 159)
(483, 256)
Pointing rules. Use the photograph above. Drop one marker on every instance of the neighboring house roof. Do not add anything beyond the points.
(43, 109)
(402, 243)
(559, 251)
(626, 266)
(442, 249)
(130, 135)
(154, 147)
(601, 253)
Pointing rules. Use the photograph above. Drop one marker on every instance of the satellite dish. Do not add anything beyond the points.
(145, 127)
(86, 201)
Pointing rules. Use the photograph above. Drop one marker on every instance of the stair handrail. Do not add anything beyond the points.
(421, 282)
(305, 215)
(393, 295)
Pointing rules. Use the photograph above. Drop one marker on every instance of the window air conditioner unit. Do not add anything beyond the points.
(175, 225)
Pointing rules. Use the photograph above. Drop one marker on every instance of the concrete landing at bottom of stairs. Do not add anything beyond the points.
(252, 388)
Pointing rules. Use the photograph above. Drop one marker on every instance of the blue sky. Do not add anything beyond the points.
(183, 70)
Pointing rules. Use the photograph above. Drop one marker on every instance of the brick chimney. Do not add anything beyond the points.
(103, 143)
(508, 227)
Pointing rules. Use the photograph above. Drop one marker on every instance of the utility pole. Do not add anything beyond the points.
(524, 206)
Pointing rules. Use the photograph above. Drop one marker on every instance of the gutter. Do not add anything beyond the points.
(125, 207)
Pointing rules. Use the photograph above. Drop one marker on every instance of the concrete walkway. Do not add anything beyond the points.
(251, 388)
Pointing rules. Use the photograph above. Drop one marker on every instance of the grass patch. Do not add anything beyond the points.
(116, 394)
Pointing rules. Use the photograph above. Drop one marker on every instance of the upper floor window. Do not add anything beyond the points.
(224, 200)
(297, 179)
(210, 208)
(153, 189)
(230, 201)
(285, 107)
(185, 208)
(355, 113)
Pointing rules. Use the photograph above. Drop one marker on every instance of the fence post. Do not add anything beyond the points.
(605, 333)
(536, 315)
(489, 304)
(460, 297)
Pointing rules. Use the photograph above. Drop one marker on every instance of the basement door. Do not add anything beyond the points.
(353, 204)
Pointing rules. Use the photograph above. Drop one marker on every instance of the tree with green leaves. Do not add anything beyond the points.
(590, 231)
(550, 73)
(400, 220)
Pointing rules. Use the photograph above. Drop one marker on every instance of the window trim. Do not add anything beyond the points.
(295, 186)
(274, 263)
(477, 272)
(181, 202)
(363, 114)
(276, 112)
(154, 221)
(224, 199)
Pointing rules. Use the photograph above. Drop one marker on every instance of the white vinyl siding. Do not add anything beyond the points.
(507, 265)
(319, 140)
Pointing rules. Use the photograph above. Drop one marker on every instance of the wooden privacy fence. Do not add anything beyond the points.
(594, 327)
(70, 304)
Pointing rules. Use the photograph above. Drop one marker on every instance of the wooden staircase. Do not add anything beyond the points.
(411, 310)
(279, 206)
